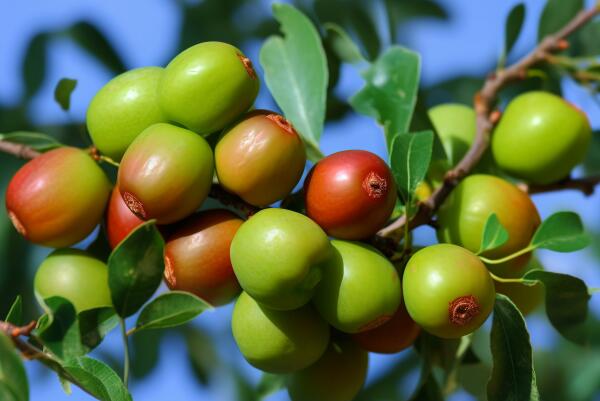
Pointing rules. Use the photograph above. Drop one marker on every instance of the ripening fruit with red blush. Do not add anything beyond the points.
(120, 221)
(350, 194)
(197, 256)
(261, 158)
(58, 198)
(397, 334)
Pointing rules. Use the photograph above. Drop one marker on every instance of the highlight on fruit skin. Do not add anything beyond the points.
(447, 290)
(119, 220)
(260, 158)
(166, 173)
(76, 276)
(278, 341)
(58, 198)
(197, 256)
(123, 108)
(351, 194)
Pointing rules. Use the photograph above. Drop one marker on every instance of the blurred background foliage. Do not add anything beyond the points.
(565, 371)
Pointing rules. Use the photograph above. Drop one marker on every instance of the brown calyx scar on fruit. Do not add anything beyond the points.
(375, 323)
(463, 309)
(247, 65)
(17, 223)
(170, 277)
(134, 205)
(283, 123)
(374, 185)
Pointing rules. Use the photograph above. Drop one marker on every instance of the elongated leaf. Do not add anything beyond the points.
(295, 69)
(135, 269)
(15, 314)
(567, 300)
(390, 91)
(514, 24)
(494, 234)
(202, 353)
(34, 64)
(36, 140)
(428, 390)
(95, 324)
(561, 232)
(13, 380)
(62, 92)
(410, 158)
(93, 41)
(513, 376)
(169, 310)
(556, 14)
(342, 44)
(97, 378)
(269, 384)
(585, 42)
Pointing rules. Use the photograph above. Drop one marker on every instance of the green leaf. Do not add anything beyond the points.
(34, 64)
(561, 232)
(135, 269)
(295, 69)
(566, 303)
(95, 324)
(585, 41)
(93, 41)
(36, 140)
(269, 384)
(410, 158)
(170, 309)
(97, 378)
(428, 389)
(514, 24)
(13, 380)
(494, 234)
(556, 15)
(201, 351)
(15, 314)
(341, 44)
(390, 92)
(62, 92)
(513, 376)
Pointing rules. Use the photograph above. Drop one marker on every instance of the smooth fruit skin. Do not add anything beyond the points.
(123, 108)
(278, 341)
(76, 276)
(278, 257)
(395, 335)
(166, 173)
(448, 291)
(120, 221)
(207, 86)
(261, 158)
(540, 138)
(351, 194)
(462, 216)
(58, 198)
(360, 289)
(197, 256)
(337, 376)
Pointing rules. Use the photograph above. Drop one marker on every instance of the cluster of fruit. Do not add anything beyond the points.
(310, 306)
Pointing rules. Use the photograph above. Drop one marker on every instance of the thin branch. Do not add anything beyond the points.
(586, 185)
(485, 102)
(217, 192)
(19, 150)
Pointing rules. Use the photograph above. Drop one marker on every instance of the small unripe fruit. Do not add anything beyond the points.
(278, 341)
(337, 376)
(278, 257)
(351, 194)
(448, 291)
(120, 221)
(540, 138)
(395, 335)
(123, 108)
(261, 158)
(360, 288)
(76, 276)
(58, 198)
(166, 173)
(207, 86)
(463, 215)
(197, 256)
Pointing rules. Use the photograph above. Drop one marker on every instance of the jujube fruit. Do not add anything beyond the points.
(120, 221)
(278, 257)
(448, 291)
(123, 108)
(58, 198)
(166, 173)
(278, 341)
(207, 86)
(197, 256)
(76, 276)
(359, 289)
(351, 194)
(395, 335)
(337, 376)
(540, 138)
(260, 158)
(463, 215)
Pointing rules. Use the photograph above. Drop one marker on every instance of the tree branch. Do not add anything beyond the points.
(485, 101)
(19, 150)
(586, 185)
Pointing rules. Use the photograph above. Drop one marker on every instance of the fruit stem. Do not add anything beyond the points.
(108, 160)
(126, 352)
(507, 258)
(519, 280)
